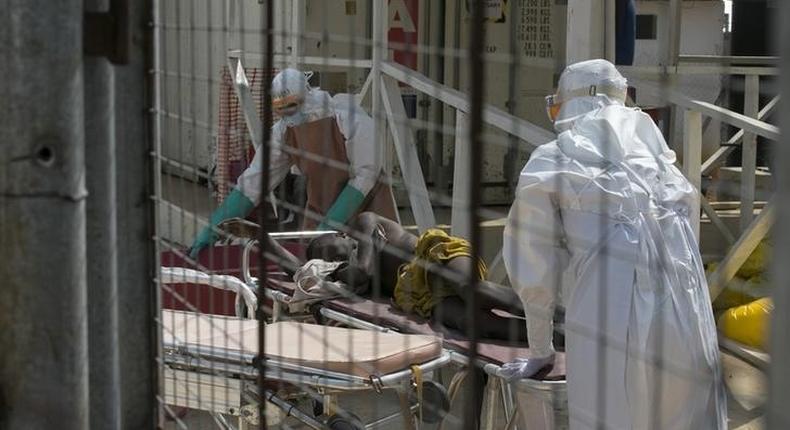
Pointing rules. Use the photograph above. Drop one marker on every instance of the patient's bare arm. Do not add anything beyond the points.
(376, 232)
(277, 253)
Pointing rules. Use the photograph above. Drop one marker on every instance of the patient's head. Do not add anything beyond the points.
(331, 247)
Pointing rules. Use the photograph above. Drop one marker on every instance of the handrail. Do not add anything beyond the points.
(521, 128)
(741, 121)
(753, 60)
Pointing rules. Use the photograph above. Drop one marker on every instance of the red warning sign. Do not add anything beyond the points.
(404, 23)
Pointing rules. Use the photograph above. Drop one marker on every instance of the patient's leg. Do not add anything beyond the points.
(490, 296)
(452, 313)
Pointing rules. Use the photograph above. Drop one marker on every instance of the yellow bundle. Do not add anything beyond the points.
(413, 293)
(748, 324)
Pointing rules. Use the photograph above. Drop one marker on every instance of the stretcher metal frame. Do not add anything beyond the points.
(543, 396)
(238, 371)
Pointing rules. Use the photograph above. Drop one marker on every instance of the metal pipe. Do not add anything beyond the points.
(43, 334)
(101, 234)
(476, 48)
(268, 66)
(610, 16)
(291, 410)
(136, 215)
(379, 55)
(778, 412)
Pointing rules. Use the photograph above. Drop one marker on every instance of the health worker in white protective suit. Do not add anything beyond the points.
(601, 219)
(330, 140)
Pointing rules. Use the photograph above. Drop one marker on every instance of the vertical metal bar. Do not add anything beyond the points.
(749, 151)
(670, 62)
(778, 412)
(610, 11)
(135, 209)
(379, 54)
(43, 339)
(260, 315)
(101, 235)
(157, 84)
(477, 76)
(436, 62)
(459, 217)
(692, 158)
(297, 25)
(674, 32)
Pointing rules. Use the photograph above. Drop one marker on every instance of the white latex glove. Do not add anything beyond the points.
(521, 368)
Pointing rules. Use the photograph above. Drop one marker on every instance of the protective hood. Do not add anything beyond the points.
(611, 133)
(600, 85)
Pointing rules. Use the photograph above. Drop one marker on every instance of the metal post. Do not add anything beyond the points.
(43, 323)
(297, 26)
(101, 236)
(475, 157)
(135, 208)
(778, 412)
(379, 54)
(267, 42)
(610, 10)
(459, 217)
(692, 159)
(674, 32)
(749, 151)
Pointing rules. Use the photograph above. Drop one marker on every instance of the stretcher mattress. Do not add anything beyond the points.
(354, 352)
(382, 313)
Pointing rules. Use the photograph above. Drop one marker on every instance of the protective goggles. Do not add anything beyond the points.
(287, 105)
(554, 102)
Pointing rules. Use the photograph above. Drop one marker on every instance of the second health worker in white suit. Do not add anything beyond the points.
(601, 219)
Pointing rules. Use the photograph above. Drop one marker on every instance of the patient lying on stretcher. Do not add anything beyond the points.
(425, 275)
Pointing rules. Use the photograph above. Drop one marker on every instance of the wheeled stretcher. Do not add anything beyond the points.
(538, 403)
(541, 402)
(210, 364)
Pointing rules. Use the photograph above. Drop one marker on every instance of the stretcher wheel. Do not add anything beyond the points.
(435, 402)
(347, 422)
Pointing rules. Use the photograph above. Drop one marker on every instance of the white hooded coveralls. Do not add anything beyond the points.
(601, 219)
(355, 125)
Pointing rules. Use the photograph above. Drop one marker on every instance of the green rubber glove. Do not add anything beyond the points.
(236, 205)
(345, 205)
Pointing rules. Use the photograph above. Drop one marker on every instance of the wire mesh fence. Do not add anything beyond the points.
(350, 234)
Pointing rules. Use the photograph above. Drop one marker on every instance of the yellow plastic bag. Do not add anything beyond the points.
(748, 324)
(757, 262)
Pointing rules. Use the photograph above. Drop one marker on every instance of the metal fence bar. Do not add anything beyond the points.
(101, 237)
(136, 214)
(749, 152)
(462, 183)
(44, 339)
(778, 416)
(475, 162)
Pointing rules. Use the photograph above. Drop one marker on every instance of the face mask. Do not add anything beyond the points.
(295, 119)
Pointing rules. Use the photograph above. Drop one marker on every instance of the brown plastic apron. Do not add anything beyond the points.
(322, 159)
